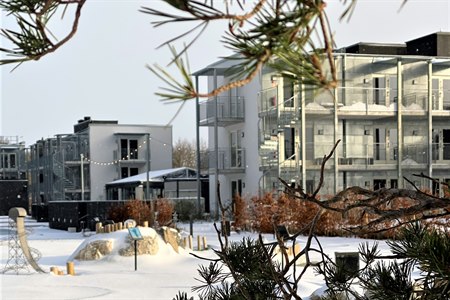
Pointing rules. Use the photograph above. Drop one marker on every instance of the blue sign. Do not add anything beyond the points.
(135, 233)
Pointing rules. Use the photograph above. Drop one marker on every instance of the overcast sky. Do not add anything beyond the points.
(101, 72)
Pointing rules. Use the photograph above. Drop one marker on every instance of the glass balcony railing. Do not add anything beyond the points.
(354, 99)
(229, 159)
(230, 110)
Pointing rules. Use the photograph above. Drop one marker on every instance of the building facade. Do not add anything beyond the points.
(77, 166)
(390, 111)
(13, 177)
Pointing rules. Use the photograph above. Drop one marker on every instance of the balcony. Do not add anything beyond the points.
(230, 160)
(230, 110)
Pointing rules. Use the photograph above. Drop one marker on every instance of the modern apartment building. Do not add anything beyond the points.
(77, 166)
(390, 111)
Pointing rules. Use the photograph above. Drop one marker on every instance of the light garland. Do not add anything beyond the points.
(126, 158)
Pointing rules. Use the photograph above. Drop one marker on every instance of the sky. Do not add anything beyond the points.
(102, 71)
(158, 277)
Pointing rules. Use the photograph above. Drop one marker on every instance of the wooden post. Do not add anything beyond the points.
(190, 242)
(120, 225)
(70, 268)
(205, 245)
(98, 227)
(54, 270)
(199, 246)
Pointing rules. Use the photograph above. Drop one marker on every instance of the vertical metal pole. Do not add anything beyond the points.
(147, 188)
(216, 150)
(303, 135)
(399, 123)
(430, 124)
(82, 176)
(135, 255)
(335, 138)
(197, 135)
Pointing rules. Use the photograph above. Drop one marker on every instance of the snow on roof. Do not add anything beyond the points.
(157, 176)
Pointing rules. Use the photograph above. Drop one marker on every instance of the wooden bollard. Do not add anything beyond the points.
(190, 242)
(120, 225)
(108, 228)
(54, 270)
(98, 227)
(185, 242)
(199, 246)
(295, 249)
(205, 245)
(60, 272)
(70, 268)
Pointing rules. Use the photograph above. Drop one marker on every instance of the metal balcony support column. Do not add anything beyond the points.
(399, 123)
(303, 134)
(197, 136)
(335, 138)
(216, 150)
(430, 122)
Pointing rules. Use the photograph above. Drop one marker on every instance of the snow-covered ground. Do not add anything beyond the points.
(158, 276)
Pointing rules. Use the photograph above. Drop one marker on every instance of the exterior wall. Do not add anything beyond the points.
(105, 147)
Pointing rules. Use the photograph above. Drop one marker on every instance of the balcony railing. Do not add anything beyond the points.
(377, 100)
(229, 159)
(230, 110)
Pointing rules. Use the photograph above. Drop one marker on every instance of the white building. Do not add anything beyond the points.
(77, 166)
(278, 127)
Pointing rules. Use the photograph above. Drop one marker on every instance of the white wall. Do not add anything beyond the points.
(104, 141)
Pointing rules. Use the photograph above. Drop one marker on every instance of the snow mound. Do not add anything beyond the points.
(119, 243)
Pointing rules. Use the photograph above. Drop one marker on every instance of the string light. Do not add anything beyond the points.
(126, 158)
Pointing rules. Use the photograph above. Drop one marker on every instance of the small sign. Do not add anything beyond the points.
(135, 233)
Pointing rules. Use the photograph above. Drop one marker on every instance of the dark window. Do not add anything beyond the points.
(128, 149)
(123, 149)
(289, 143)
(5, 161)
(124, 172)
(394, 183)
(41, 178)
(134, 171)
(12, 161)
(446, 141)
(133, 149)
(378, 184)
(288, 90)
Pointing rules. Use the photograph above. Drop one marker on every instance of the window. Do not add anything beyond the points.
(378, 184)
(127, 172)
(288, 90)
(128, 149)
(289, 143)
(12, 160)
(379, 90)
(394, 183)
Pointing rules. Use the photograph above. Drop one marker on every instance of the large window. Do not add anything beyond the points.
(8, 160)
(128, 149)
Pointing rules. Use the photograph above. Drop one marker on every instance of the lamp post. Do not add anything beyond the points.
(82, 176)
(147, 185)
